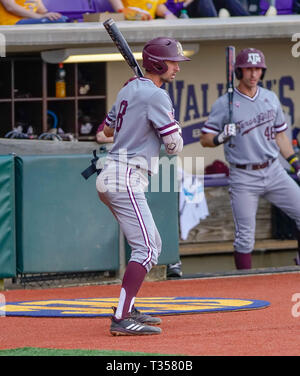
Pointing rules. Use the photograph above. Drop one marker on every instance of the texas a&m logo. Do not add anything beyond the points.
(254, 58)
(179, 49)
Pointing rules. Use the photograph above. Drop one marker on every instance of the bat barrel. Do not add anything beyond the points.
(122, 45)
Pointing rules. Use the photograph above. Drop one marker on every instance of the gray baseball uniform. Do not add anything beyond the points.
(254, 167)
(142, 117)
(145, 120)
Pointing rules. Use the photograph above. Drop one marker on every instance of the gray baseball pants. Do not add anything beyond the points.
(121, 187)
(247, 186)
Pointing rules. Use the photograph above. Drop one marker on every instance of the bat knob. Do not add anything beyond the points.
(108, 22)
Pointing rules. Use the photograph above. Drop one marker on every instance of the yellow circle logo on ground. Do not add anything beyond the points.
(96, 307)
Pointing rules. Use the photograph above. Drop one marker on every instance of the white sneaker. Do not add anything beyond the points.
(223, 13)
(272, 11)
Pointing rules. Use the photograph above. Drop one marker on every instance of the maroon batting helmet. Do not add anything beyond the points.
(249, 58)
(157, 50)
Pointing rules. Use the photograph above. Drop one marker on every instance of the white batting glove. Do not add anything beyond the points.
(228, 131)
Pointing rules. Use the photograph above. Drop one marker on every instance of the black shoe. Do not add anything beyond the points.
(131, 327)
(144, 318)
(174, 270)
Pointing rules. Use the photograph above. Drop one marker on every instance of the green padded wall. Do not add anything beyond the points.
(61, 224)
(7, 217)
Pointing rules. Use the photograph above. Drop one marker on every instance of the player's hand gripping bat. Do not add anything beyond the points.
(122, 45)
(230, 60)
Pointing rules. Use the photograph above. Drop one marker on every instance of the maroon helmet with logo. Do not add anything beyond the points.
(249, 58)
(157, 50)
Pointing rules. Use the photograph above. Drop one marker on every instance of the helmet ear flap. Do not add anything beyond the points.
(153, 65)
(160, 67)
(238, 73)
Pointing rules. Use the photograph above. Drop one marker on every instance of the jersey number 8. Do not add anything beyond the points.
(122, 111)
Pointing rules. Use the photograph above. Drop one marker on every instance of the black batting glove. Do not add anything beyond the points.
(295, 164)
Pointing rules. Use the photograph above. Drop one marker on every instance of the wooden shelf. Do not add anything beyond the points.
(61, 99)
(28, 99)
(86, 138)
(88, 97)
(28, 93)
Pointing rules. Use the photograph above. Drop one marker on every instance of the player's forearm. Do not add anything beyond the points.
(287, 151)
(284, 145)
(101, 138)
(109, 132)
(207, 140)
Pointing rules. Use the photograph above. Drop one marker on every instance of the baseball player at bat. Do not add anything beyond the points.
(141, 120)
(258, 129)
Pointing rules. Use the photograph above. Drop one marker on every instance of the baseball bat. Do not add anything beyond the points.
(122, 45)
(230, 57)
(230, 60)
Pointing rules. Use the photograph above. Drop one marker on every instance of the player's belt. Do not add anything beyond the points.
(254, 166)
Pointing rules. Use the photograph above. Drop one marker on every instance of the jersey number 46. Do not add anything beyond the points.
(270, 133)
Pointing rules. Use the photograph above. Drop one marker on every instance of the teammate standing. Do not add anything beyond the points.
(257, 136)
(141, 119)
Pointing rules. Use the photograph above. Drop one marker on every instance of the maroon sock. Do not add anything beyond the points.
(242, 260)
(133, 278)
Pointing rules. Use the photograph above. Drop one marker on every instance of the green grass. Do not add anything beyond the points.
(36, 351)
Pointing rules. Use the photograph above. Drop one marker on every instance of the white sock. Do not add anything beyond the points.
(122, 298)
(120, 307)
